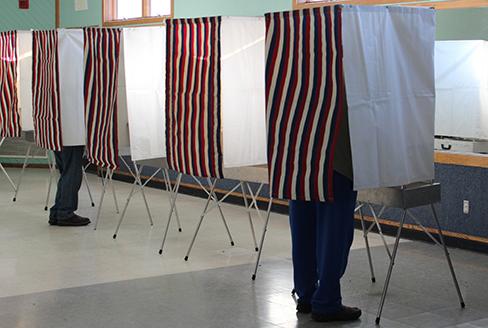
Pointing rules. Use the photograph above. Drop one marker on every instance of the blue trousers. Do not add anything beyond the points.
(69, 162)
(322, 235)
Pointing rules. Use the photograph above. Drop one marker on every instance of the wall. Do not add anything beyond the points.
(199, 8)
(39, 16)
(71, 18)
(462, 24)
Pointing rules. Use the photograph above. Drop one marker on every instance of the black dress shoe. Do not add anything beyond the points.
(344, 314)
(72, 221)
(303, 307)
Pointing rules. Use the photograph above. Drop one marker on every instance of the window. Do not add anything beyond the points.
(124, 12)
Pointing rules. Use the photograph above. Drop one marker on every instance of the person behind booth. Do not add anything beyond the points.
(69, 162)
(322, 234)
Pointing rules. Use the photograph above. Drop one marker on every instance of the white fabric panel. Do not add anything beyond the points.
(389, 74)
(461, 89)
(71, 74)
(243, 89)
(122, 116)
(24, 43)
(144, 61)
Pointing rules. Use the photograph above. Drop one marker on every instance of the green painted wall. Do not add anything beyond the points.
(200, 8)
(462, 24)
(71, 18)
(39, 16)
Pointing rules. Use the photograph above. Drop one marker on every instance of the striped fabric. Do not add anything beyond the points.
(193, 124)
(9, 110)
(45, 90)
(102, 47)
(305, 101)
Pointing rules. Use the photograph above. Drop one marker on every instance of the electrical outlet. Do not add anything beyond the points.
(466, 206)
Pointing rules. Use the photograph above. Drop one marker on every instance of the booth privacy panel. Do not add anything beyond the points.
(243, 101)
(461, 70)
(9, 109)
(46, 107)
(71, 72)
(24, 42)
(193, 122)
(389, 75)
(305, 101)
(101, 95)
(144, 52)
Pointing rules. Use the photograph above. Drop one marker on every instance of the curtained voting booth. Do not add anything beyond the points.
(215, 106)
(389, 75)
(375, 62)
(461, 73)
(144, 53)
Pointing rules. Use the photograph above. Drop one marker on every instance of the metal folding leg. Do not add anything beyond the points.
(100, 203)
(114, 194)
(390, 268)
(366, 241)
(85, 179)
(248, 210)
(5, 172)
(137, 182)
(52, 171)
(212, 197)
(448, 257)
(26, 160)
(173, 195)
(263, 236)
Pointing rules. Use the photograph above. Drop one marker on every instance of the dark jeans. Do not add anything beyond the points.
(69, 163)
(322, 235)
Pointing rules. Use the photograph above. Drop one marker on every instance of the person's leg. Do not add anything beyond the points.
(53, 212)
(335, 231)
(70, 181)
(302, 226)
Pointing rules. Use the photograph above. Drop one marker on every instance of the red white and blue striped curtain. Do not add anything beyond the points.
(102, 48)
(193, 122)
(9, 109)
(45, 90)
(305, 100)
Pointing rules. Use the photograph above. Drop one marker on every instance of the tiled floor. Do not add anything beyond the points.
(78, 277)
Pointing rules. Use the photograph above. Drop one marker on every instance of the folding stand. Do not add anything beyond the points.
(406, 198)
(5, 172)
(211, 197)
(136, 174)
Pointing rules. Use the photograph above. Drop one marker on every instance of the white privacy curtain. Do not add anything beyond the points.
(144, 52)
(71, 76)
(24, 44)
(243, 83)
(123, 140)
(461, 72)
(389, 74)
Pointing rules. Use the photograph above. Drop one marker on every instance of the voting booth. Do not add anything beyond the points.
(378, 64)
(142, 88)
